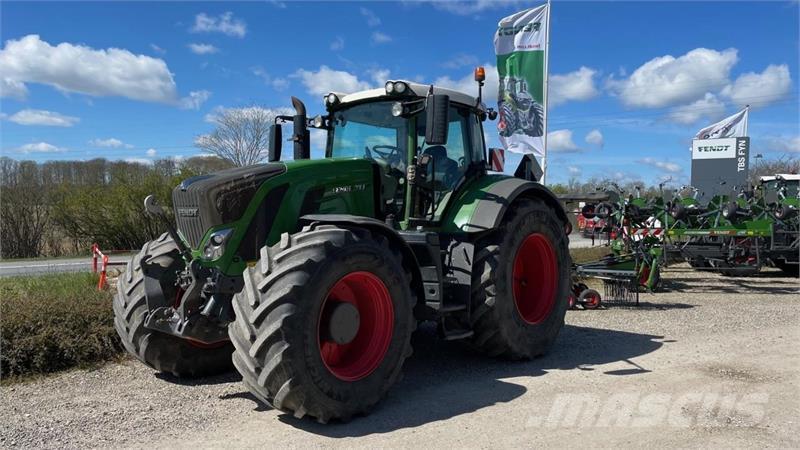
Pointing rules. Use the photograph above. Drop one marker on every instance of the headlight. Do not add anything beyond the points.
(390, 87)
(215, 246)
(397, 109)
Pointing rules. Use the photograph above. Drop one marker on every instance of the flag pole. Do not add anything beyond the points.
(546, 89)
(746, 118)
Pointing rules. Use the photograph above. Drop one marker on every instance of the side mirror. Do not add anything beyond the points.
(275, 143)
(437, 108)
(151, 206)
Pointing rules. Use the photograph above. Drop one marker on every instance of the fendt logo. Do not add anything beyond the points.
(527, 28)
(188, 212)
(713, 148)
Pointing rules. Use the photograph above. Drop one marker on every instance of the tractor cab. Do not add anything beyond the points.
(425, 141)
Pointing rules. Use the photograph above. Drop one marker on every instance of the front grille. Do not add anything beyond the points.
(187, 215)
(206, 201)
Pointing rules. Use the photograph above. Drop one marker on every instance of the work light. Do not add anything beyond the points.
(390, 87)
(331, 99)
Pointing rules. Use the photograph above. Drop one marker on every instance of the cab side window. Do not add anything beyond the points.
(449, 162)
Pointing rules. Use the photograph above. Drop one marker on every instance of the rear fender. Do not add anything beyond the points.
(483, 204)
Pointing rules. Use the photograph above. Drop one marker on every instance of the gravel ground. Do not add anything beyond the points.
(712, 362)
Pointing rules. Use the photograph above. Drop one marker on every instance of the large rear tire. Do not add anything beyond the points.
(521, 283)
(285, 333)
(160, 351)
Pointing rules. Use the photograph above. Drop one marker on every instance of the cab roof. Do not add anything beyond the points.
(416, 89)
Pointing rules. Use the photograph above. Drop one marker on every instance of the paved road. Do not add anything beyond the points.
(45, 266)
(711, 362)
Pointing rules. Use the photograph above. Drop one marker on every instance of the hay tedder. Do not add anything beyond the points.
(734, 235)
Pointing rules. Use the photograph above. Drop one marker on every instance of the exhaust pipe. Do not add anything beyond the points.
(302, 144)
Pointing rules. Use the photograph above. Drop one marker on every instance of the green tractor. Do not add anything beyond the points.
(310, 276)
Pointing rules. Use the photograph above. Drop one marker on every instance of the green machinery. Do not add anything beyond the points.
(737, 235)
(309, 276)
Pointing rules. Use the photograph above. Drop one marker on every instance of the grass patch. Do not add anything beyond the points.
(587, 254)
(54, 322)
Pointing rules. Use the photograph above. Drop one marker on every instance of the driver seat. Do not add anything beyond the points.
(446, 169)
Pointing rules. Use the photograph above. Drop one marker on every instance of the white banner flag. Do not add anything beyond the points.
(733, 126)
(521, 45)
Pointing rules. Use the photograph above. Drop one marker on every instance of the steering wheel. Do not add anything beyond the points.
(386, 151)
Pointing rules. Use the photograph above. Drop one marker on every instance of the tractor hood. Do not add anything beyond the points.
(204, 201)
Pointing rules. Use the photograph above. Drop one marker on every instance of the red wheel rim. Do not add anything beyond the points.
(535, 278)
(591, 301)
(361, 356)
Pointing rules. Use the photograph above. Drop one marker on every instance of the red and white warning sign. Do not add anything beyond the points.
(498, 159)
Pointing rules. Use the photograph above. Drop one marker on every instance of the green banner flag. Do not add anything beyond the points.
(521, 45)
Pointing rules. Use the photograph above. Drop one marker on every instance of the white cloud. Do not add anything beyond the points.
(41, 147)
(667, 80)
(327, 80)
(380, 38)
(663, 165)
(574, 170)
(468, 85)
(460, 60)
(709, 107)
(110, 72)
(379, 76)
(561, 141)
(202, 49)
(337, 44)
(10, 88)
(151, 152)
(109, 143)
(595, 137)
(760, 89)
(784, 144)
(372, 19)
(42, 117)
(158, 49)
(279, 84)
(225, 23)
(577, 85)
(194, 100)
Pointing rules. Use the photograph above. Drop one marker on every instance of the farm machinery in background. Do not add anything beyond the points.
(734, 235)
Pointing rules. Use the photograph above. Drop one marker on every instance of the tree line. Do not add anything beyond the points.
(58, 208)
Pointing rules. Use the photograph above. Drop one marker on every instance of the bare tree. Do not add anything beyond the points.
(241, 135)
(769, 167)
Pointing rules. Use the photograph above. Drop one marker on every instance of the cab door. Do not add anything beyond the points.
(449, 164)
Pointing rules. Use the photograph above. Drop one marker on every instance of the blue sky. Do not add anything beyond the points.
(632, 81)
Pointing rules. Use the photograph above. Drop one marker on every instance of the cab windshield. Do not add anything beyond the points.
(369, 130)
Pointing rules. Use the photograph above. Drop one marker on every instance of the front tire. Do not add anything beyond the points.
(160, 351)
(285, 334)
(521, 283)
